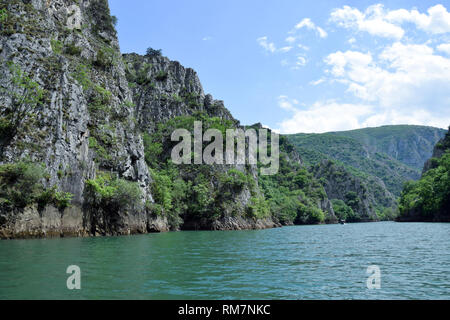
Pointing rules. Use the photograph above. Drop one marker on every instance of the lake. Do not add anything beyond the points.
(301, 262)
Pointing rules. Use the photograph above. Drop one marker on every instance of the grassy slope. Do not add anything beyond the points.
(380, 152)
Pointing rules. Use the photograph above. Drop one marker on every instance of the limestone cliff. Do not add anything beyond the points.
(340, 184)
(64, 100)
(73, 115)
(85, 138)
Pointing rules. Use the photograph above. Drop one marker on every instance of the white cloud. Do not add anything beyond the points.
(371, 21)
(377, 21)
(445, 47)
(404, 76)
(303, 47)
(417, 117)
(207, 38)
(286, 104)
(325, 117)
(268, 46)
(322, 33)
(301, 62)
(290, 39)
(285, 49)
(333, 116)
(437, 20)
(317, 82)
(308, 24)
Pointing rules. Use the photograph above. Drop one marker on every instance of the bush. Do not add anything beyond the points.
(152, 150)
(343, 211)
(153, 53)
(103, 21)
(20, 186)
(19, 183)
(60, 200)
(430, 196)
(161, 76)
(73, 50)
(6, 128)
(309, 214)
(3, 15)
(57, 46)
(170, 194)
(105, 58)
(110, 193)
(258, 208)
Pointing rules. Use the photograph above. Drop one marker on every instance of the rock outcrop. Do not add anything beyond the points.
(68, 52)
(85, 137)
(428, 199)
(340, 184)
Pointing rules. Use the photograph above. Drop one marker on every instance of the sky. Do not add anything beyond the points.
(305, 66)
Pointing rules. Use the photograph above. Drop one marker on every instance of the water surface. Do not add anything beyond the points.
(302, 262)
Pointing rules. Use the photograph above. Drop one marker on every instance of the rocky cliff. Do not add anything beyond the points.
(85, 138)
(74, 117)
(64, 101)
(392, 154)
(409, 144)
(367, 197)
(428, 199)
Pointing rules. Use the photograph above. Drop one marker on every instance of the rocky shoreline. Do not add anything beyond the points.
(31, 223)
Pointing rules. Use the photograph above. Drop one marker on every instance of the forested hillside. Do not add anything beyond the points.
(429, 198)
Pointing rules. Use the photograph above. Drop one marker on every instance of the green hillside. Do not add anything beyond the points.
(394, 154)
(429, 198)
(409, 144)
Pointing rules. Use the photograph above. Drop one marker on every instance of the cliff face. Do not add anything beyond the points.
(364, 199)
(74, 112)
(64, 101)
(392, 154)
(168, 96)
(428, 199)
(409, 144)
(439, 150)
(85, 138)
(164, 89)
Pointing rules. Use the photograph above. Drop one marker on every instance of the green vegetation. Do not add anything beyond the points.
(428, 198)
(106, 57)
(72, 49)
(27, 96)
(343, 211)
(161, 76)
(3, 15)
(102, 19)
(20, 186)
(112, 194)
(82, 76)
(191, 99)
(196, 193)
(153, 52)
(390, 153)
(57, 46)
(355, 157)
(293, 194)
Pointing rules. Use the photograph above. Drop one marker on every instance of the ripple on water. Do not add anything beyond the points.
(305, 262)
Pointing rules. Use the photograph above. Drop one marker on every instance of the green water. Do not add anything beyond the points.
(305, 262)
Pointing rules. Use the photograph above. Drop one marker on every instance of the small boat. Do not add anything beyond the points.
(342, 222)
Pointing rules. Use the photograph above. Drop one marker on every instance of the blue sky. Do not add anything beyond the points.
(305, 66)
